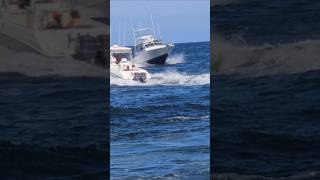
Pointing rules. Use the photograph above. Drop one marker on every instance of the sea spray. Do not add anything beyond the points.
(166, 78)
(267, 59)
(175, 59)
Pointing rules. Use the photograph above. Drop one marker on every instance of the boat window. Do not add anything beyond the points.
(22, 4)
(149, 45)
(122, 55)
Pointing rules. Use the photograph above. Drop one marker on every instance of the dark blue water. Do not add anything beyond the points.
(266, 102)
(53, 127)
(160, 130)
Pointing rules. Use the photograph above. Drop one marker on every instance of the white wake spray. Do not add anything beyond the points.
(175, 59)
(266, 59)
(166, 78)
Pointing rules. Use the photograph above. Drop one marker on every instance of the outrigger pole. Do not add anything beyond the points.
(154, 34)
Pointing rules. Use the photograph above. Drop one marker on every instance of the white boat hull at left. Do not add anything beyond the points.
(121, 65)
(29, 25)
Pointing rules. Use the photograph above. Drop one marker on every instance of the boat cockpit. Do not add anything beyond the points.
(118, 57)
(45, 14)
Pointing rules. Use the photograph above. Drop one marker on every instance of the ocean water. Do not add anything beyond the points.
(161, 129)
(266, 84)
(53, 118)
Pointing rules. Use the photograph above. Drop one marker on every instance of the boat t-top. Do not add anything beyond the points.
(54, 28)
(121, 65)
(149, 49)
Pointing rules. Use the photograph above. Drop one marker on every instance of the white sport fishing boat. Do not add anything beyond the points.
(121, 65)
(54, 28)
(149, 49)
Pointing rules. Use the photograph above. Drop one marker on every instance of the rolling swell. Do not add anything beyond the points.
(276, 132)
(53, 127)
(268, 59)
(299, 176)
(162, 127)
(37, 162)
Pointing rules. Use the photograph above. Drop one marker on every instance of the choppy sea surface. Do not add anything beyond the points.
(53, 118)
(160, 129)
(266, 84)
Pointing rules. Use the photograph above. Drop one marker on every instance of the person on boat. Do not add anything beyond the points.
(75, 19)
(118, 59)
(57, 23)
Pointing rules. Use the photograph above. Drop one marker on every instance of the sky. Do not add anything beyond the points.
(179, 21)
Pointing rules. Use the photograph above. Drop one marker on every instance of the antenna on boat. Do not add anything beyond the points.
(119, 34)
(154, 34)
(134, 37)
(159, 31)
(124, 35)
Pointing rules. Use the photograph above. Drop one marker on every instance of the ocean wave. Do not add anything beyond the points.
(190, 174)
(53, 162)
(182, 118)
(267, 59)
(36, 65)
(234, 176)
(166, 78)
(225, 2)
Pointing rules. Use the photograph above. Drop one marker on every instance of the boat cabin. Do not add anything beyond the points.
(144, 38)
(118, 54)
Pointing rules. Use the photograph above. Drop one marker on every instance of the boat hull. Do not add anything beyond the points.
(135, 75)
(157, 56)
(51, 43)
(158, 60)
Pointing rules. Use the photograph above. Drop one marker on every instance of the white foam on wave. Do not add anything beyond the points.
(36, 65)
(175, 59)
(266, 59)
(166, 78)
(187, 118)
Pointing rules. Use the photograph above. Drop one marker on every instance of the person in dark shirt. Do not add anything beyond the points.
(57, 23)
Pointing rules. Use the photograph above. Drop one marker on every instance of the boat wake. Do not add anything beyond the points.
(266, 59)
(175, 59)
(166, 78)
(36, 65)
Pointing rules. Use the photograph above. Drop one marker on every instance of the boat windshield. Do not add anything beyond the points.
(122, 56)
(153, 43)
